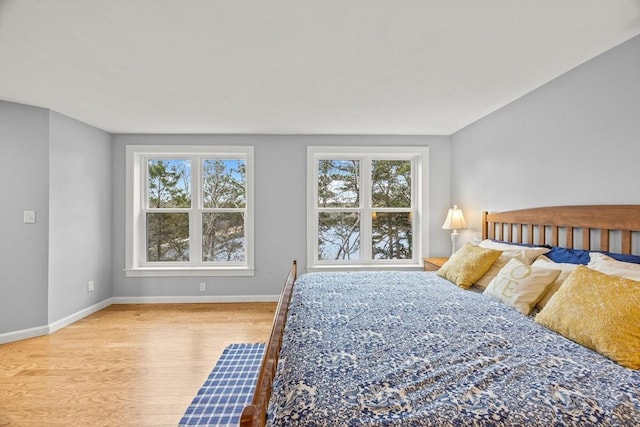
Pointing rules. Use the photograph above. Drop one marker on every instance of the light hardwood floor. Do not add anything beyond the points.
(127, 365)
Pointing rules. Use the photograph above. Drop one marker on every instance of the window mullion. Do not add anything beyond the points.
(365, 209)
(195, 213)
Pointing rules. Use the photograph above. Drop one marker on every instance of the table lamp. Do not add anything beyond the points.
(455, 221)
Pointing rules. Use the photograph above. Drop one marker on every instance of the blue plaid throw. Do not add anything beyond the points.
(228, 389)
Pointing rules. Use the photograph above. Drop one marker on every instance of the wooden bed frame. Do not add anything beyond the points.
(613, 228)
(256, 413)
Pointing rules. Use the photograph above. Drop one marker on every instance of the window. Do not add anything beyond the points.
(366, 206)
(189, 210)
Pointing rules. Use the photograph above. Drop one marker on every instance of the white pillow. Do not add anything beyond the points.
(525, 254)
(565, 270)
(605, 264)
(520, 286)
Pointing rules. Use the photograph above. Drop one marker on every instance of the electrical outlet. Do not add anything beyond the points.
(203, 287)
(90, 286)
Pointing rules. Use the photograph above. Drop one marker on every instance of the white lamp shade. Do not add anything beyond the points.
(455, 219)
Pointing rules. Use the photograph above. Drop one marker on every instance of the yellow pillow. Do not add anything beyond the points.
(468, 265)
(520, 286)
(599, 311)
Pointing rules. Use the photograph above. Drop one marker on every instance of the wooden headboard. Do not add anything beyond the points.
(614, 228)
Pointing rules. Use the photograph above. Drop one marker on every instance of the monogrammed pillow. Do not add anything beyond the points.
(520, 286)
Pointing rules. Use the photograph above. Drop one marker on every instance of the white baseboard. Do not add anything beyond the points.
(23, 334)
(55, 326)
(59, 324)
(194, 299)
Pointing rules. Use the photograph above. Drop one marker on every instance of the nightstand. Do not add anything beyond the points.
(434, 264)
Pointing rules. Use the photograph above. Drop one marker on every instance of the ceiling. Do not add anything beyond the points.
(298, 67)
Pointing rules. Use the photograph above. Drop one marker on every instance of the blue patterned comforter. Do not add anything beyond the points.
(411, 349)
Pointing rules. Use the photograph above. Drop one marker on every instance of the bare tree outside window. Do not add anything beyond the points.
(168, 188)
(391, 188)
(338, 230)
(224, 199)
(340, 207)
(339, 235)
(366, 206)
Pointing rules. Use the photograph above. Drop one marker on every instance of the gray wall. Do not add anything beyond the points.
(60, 168)
(575, 140)
(80, 216)
(280, 221)
(24, 139)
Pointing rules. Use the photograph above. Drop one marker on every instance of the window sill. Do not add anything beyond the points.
(188, 271)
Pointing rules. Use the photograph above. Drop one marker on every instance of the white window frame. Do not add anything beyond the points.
(136, 164)
(419, 156)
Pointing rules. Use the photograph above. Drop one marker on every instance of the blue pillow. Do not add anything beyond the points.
(581, 256)
(568, 256)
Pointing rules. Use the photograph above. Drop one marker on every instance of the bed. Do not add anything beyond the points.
(414, 349)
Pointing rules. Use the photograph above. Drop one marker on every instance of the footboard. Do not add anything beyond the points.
(254, 415)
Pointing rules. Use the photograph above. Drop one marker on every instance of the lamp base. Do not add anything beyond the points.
(454, 239)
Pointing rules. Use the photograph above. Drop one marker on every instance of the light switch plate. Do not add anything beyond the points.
(29, 217)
